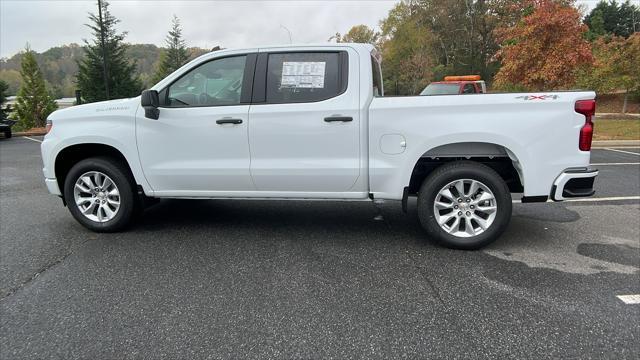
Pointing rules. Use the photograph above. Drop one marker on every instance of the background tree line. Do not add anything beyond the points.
(104, 68)
(514, 45)
(59, 66)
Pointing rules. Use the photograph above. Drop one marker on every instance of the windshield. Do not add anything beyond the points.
(441, 89)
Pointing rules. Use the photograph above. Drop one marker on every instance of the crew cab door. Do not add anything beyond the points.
(198, 145)
(304, 132)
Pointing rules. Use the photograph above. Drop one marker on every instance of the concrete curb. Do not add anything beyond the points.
(611, 143)
(30, 133)
(617, 116)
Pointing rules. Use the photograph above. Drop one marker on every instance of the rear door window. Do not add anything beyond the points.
(304, 77)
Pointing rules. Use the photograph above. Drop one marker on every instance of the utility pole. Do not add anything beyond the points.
(471, 14)
(104, 51)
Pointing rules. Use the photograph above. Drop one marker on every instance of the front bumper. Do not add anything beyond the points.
(574, 183)
(5, 125)
(52, 186)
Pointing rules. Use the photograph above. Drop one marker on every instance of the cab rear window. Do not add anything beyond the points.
(376, 76)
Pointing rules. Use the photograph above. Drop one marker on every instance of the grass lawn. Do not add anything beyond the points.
(617, 130)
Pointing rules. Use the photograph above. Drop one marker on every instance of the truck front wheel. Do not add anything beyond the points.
(464, 205)
(100, 194)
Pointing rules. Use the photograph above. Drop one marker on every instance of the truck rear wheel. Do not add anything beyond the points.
(100, 195)
(464, 205)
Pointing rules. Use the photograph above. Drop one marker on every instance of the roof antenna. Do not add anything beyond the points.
(288, 31)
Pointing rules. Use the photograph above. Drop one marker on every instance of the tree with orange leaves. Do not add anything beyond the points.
(543, 49)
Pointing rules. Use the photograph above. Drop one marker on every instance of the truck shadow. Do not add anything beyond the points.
(329, 219)
(282, 218)
(546, 212)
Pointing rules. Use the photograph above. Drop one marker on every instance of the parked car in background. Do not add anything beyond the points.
(311, 122)
(456, 85)
(5, 127)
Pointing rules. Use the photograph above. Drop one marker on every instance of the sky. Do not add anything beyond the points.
(230, 24)
(205, 23)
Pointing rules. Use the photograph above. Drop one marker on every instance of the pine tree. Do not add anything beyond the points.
(176, 53)
(33, 102)
(111, 79)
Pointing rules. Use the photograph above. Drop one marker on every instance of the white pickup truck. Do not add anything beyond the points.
(311, 122)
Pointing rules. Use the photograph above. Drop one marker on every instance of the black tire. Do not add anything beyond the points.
(121, 176)
(448, 173)
(7, 134)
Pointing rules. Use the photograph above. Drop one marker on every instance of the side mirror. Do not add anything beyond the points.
(150, 102)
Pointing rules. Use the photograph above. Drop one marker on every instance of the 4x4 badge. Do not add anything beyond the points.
(537, 97)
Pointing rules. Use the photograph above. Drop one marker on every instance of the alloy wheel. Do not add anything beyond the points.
(97, 196)
(465, 208)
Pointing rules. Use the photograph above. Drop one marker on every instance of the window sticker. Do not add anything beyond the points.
(306, 74)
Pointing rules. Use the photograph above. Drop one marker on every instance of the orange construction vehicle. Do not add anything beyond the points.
(456, 85)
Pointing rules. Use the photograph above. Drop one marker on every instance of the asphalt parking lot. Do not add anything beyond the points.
(225, 279)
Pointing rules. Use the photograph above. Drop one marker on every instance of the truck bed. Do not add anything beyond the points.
(538, 131)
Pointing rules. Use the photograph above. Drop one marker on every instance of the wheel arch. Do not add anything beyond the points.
(497, 156)
(72, 154)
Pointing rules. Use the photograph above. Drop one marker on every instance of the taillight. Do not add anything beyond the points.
(588, 109)
(49, 126)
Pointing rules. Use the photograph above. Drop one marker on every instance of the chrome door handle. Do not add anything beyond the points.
(228, 121)
(338, 118)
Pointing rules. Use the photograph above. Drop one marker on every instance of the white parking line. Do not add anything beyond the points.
(617, 147)
(610, 164)
(613, 198)
(32, 139)
(629, 299)
(622, 151)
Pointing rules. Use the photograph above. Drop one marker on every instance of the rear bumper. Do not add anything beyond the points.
(574, 183)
